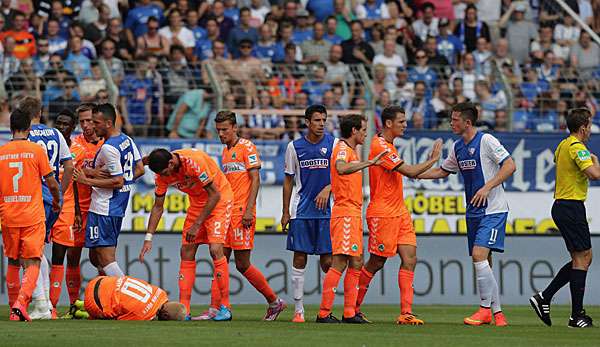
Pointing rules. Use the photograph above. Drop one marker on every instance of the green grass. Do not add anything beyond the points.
(443, 327)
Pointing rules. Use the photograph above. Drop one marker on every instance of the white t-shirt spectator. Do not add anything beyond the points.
(585, 10)
(259, 14)
(562, 32)
(423, 30)
(186, 36)
(469, 79)
(391, 64)
(488, 10)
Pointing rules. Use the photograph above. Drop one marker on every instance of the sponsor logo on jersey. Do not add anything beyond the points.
(394, 158)
(583, 155)
(381, 247)
(468, 164)
(354, 247)
(234, 167)
(314, 164)
(252, 159)
(341, 155)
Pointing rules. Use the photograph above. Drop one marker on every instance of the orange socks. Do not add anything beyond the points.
(258, 280)
(350, 292)
(30, 276)
(330, 283)
(73, 283)
(57, 273)
(215, 293)
(187, 276)
(405, 282)
(13, 283)
(363, 285)
(221, 274)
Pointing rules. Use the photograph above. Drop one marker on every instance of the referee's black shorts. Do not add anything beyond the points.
(570, 218)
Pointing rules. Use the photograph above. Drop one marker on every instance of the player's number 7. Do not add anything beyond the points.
(19, 166)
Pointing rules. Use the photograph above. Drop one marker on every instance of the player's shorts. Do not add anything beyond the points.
(214, 229)
(386, 233)
(346, 235)
(310, 236)
(102, 231)
(24, 242)
(239, 237)
(63, 232)
(570, 218)
(487, 231)
(91, 301)
(51, 218)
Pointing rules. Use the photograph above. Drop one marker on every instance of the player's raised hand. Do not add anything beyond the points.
(436, 151)
(192, 233)
(285, 220)
(480, 198)
(323, 198)
(146, 247)
(379, 157)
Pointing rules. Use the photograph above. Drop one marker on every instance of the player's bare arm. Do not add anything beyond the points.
(345, 168)
(139, 170)
(114, 182)
(78, 219)
(288, 184)
(213, 199)
(54, 190)
(506, 170)
(323, 197)
(593, 172)
(413, 171)
(248, 216)
(155, 215)
(67, 175)
(433, 173)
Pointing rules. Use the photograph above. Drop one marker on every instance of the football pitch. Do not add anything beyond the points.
(443, 327)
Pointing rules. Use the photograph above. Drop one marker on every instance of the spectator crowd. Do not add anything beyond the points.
(167, 63)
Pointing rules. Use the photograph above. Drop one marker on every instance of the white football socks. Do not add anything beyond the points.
(486, 283)
(298, 288)
(113, 270)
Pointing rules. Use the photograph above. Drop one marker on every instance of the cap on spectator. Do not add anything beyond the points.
(443, 22)
(302, 13)
(521, 7)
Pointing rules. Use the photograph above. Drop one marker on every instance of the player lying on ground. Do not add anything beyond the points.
(128, 298)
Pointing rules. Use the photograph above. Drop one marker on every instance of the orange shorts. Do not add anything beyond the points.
(346, 235)
(65, 234)
(214, 228)
(239, 237)
(24, 242)
(386, 233)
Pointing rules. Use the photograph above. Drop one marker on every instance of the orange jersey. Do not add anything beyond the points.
(22, 164)
(387, 197)
(24, 43)
(123, 298)
(346, 189)
(236, 163)
(197, 170)
(83, 157)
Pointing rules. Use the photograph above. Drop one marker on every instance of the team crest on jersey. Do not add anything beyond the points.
(471, 150)
(381, 247)
(234, 155)
(252, 159)
(354, 247)
(323, 150)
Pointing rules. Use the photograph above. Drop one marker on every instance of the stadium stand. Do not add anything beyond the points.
(169, 65)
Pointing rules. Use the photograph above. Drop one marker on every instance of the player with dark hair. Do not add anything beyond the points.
(195, 173)
(120, 159)
(484, 165)
(58, 152)
(241, 165)
(23, 164)
(65, 234)
(391, 230)
(346, 220)
(575, 166)
(307, 186)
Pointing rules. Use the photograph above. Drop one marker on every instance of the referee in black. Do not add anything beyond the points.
(575, 166)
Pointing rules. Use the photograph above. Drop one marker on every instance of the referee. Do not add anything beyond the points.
(575, 165)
